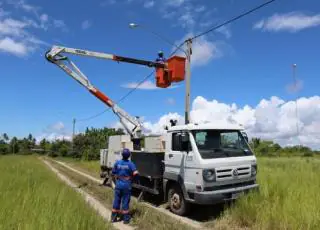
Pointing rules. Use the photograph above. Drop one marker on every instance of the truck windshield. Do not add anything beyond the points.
(221, 143)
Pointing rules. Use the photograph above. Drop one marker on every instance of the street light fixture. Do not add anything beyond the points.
(135, 25)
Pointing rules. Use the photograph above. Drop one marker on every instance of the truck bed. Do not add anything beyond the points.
(149, 164)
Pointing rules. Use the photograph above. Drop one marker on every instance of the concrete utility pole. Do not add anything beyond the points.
(73, 132)
(294, 66)
(188, 75)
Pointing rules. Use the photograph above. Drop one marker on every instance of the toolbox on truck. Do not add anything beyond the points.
(149, 164)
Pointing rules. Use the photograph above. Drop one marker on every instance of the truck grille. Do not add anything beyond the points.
(227, 186)
(233, 173)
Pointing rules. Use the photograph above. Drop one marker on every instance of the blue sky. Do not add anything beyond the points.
(243, 63)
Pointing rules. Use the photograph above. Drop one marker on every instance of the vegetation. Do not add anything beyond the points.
(85, 145)
(33, 198)
(289, 197)
(144, 218)
(269, 148)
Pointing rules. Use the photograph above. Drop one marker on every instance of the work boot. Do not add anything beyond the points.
(114, 217)
(126, 221)
(126, 218)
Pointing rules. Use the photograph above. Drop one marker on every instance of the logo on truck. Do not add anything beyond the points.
(235, 172)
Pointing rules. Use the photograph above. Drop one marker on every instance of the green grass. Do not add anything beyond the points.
(144, 218)
(289, 197)
(91, 167)
(32, 197)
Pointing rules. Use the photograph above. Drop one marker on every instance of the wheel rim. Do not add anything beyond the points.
(176, 201)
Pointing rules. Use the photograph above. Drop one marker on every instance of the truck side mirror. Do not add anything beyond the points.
(245, 137)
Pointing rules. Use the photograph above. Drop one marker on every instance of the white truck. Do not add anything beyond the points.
(192, 163)
(202, 164)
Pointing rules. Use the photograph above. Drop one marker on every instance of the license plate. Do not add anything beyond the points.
(236, 195)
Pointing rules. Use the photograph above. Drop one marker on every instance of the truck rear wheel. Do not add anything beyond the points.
(177, 203)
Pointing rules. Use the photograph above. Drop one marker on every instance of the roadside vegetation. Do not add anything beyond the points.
(32, 197)
(289, 197)
(87, 145)
(144, 218)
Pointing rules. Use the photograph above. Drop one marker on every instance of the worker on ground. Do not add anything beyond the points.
(160, 58)
(124, 172)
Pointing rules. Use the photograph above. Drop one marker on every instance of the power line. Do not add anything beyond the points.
(131, 91)
(233, 19)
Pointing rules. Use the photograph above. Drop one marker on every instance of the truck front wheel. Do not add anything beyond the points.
(177, 203)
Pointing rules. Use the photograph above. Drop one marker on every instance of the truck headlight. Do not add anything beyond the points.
(254, 170)
(209, 175)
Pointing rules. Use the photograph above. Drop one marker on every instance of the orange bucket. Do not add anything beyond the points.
(176, 66)
(162, 78)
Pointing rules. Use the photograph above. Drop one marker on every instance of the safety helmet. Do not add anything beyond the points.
(160, 53)
(126, 153)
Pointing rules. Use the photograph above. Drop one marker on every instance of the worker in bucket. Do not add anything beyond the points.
(160, 58)
(124, 171)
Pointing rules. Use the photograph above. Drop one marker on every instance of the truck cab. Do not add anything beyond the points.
(202, 164)
(212, 163)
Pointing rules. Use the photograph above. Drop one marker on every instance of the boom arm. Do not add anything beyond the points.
(55, 56)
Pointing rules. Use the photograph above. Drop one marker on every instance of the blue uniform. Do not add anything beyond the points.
(161, 60)
(124, 171)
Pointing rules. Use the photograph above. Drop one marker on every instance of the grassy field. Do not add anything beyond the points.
(289, 196)
(144, 218)
(32, 197)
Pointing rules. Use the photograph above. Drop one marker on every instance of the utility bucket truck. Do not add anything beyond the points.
(202, 164)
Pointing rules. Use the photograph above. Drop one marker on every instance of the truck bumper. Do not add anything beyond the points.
(220, 196)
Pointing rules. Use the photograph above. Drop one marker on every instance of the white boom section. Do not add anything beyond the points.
(55, 56)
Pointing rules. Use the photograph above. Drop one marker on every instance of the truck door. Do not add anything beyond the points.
(174, 157)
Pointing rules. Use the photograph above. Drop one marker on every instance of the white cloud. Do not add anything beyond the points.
(86, 24)
(15, 38)
(148, 85)
(174, 3)
(3, 12)
(200, 9)
(292, 22)
(60, 24)
(21, 4)
(10, 46)
(187, 20)
(273, 119)
(203, 50)
(148, 4)
(53, 137)
(13, 27)
(56, 131)
(225, 31)
(44, 18)
(171, 101)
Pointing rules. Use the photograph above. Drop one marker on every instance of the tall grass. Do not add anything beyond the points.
(289, 197)
(32, 197)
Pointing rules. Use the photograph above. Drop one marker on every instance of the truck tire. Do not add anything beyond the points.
(177, 203)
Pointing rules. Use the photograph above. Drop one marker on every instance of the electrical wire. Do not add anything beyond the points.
(233, 19)
(131, 91)
(179, 48)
